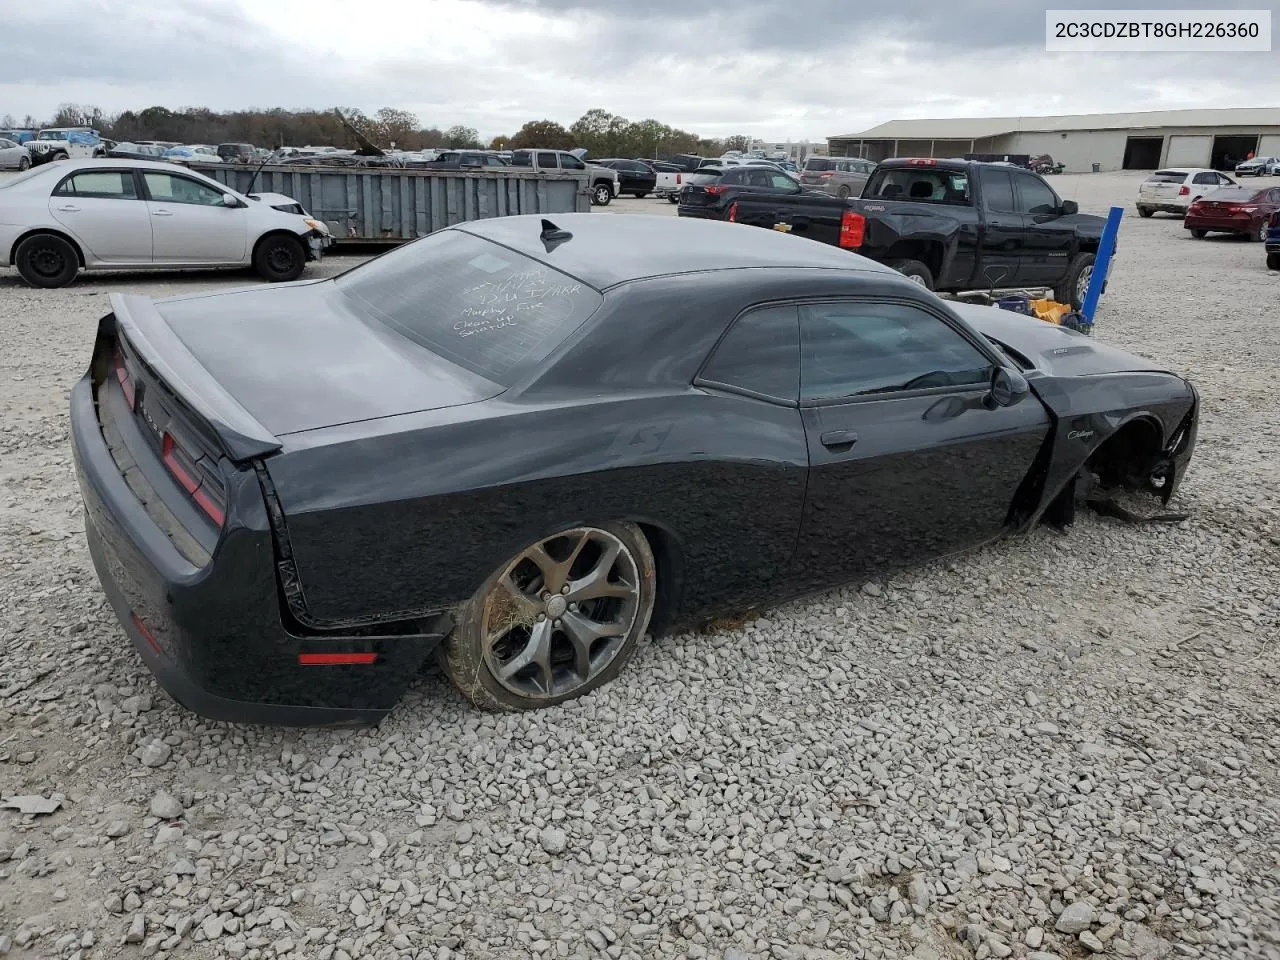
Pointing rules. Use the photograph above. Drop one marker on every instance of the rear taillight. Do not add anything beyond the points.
(715, 190)
(733, 212)
(853, 227)
(124, 378)
(679, 179)
(184, 468)
(1249, 209)
(825, 176)
(1184, 191)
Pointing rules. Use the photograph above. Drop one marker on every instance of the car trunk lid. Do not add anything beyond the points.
(260, 364)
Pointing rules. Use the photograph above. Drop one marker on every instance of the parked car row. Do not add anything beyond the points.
(1211, 202)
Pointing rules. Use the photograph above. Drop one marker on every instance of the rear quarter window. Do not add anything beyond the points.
(488, 309)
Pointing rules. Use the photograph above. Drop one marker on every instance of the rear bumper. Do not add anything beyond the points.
(1163, 206)
(213, 636)
(701, 213)
(1220, 224)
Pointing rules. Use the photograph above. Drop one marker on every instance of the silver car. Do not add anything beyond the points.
(840, 176)
(13, 156)
(1258, 167)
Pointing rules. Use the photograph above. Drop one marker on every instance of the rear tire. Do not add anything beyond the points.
(641, 195)
(1199, 234)
(1075, 284)
(915, 271)
(47, 261)
(673, 198)
(1145, 211)
(279, 258)
(844, 193)
(503, 620)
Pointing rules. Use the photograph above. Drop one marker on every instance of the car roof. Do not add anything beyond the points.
(605, 251)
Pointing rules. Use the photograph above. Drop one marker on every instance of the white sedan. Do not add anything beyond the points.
(119, 214)
(13, 156)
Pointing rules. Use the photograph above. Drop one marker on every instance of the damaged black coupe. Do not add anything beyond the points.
(520, 445)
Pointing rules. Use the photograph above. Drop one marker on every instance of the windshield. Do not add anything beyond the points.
(51, 135)
(484, 307)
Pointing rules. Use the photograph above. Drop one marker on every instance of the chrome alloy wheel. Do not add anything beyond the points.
(560, 613)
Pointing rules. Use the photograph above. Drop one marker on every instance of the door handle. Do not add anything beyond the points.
(839, 439)
(69, 209)
(161, 213)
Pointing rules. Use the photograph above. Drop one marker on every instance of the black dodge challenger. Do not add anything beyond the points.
(519, 445)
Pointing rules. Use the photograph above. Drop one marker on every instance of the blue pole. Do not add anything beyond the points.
(1102, 265)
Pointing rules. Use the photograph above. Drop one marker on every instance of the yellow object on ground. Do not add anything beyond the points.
(1050, 310)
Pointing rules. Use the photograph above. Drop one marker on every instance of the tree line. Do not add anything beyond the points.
(601, 133)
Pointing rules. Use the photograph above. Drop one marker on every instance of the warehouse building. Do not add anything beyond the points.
(1113, 141)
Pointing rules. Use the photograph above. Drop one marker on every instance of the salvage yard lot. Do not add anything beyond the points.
(1052, 746)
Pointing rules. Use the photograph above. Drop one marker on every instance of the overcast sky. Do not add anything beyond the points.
(767, 68)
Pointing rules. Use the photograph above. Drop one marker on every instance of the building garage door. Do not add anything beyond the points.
(1189, 151)
(1269, 147)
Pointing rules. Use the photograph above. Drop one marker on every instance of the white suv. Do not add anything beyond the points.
(1172, 191)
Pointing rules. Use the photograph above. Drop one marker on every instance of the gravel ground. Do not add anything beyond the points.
(1055, 747)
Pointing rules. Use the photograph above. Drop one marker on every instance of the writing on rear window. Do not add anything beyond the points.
(488, 309)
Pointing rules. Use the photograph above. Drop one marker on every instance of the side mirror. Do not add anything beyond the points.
(229, 201)
(1008, 388)
(1069, 207)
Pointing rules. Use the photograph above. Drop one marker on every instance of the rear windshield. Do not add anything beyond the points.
(705, 175)
(484, 307)
(1234, 194)
(918, 186)
(819, 163)
(46, 170)
(1167, 176)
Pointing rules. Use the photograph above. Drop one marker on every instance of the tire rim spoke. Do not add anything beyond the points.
(596, 583)
(536, 652)
(583, 633)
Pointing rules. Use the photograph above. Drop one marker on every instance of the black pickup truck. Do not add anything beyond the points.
(949, 225)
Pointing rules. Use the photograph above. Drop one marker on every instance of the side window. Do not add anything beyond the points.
(759, 354)
(782, 182)
(863, 348)
(569, 162)
(99, 184)
(997, 190)
(547, 160)
(1224, 180)
(172, 189)
(1209, 179)
(1034, 196)
(471, 160)
(521, 158)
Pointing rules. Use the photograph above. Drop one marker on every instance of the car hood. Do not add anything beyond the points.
(1053, 350)
(299, 357)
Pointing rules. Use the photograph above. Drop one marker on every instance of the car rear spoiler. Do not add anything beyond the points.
(242, 437)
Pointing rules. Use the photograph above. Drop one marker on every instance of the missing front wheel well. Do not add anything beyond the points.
(1131, 459)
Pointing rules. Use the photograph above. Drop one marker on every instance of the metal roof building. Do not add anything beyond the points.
(1113, 141)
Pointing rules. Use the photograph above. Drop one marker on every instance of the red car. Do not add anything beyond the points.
(1242, 210)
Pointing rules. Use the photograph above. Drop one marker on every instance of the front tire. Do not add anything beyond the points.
(601, 194)
(1273, 261)
(560, 619)
(24, 163)
(1075, 285)
(1259, 235)
(641, 195)
(60, 155)
(915, 271)
(673, 198)
(47, 261)
(279, 258)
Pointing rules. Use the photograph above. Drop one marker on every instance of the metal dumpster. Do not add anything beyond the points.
(379, 205)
